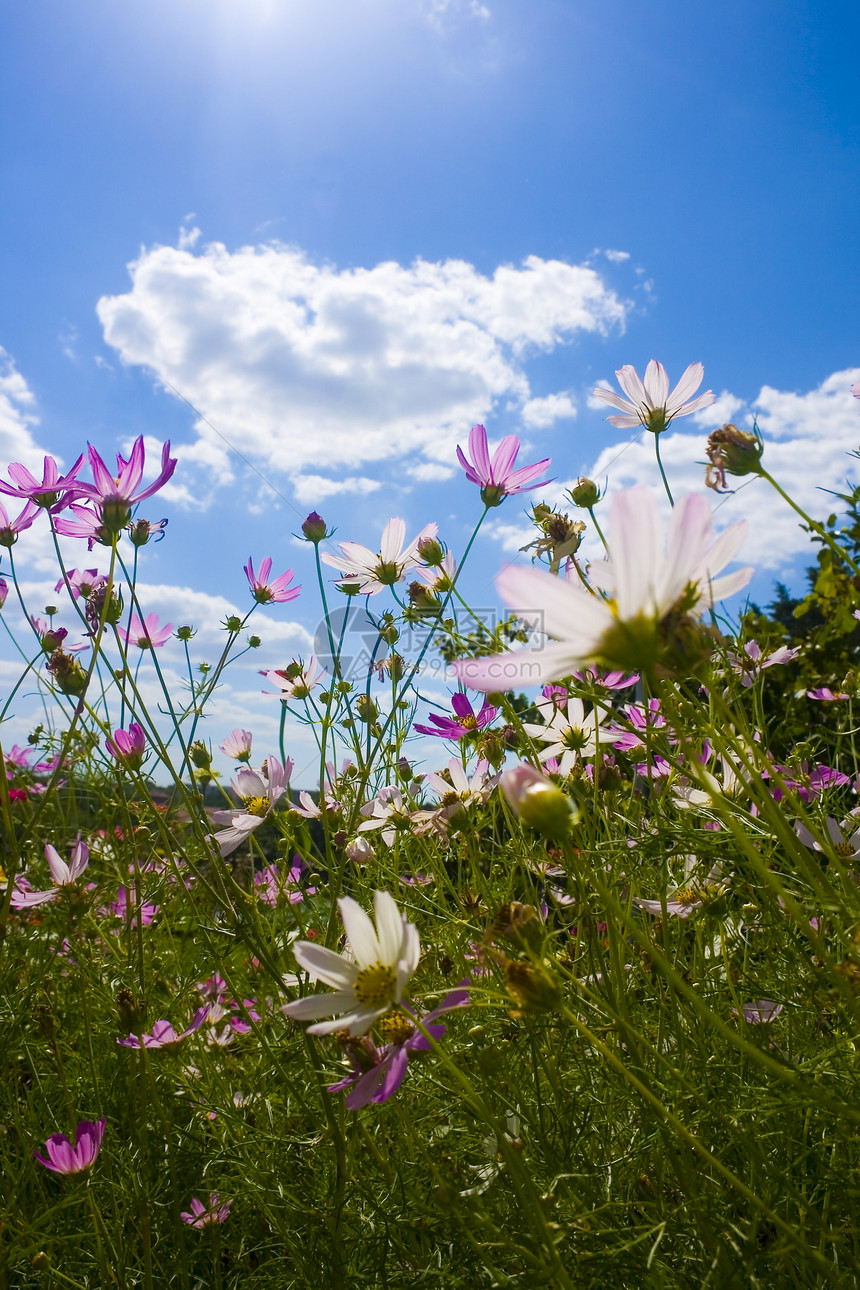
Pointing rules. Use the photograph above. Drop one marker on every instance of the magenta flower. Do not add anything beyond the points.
(812, 783)
(128, 746)
(204, 1215)
(52, 492)
(464, 722)
(497, 478)
(114, 497)
(4, 591)
(63, 1158)
(826, 695)
(163, 1035)
(63, 874)
(9, 529)
(379, 1072)
(126, 903)
(147, 634)
(607, 681)
(855, 389)
(270, 886)
(650, 404)
(82, 582)
(278, 591)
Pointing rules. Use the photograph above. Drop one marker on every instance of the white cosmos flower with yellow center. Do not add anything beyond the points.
(368, 978)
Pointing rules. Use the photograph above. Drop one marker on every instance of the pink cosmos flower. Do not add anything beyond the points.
(63, 875)
(115, 496)
(238, 745)
(826, 695)
(751, 663)
(9, 529)
(497, 478)
(855, 389)
(650, 404)
(297, 681)
(126, 903)
(4, 591)
(845, 845)
(464, 722)
(146, 634)
(278, 591)
(271, 887)
(128, 746)
(607, 681)
(63, 1158)
(52, 492)
(378, 1072)
(163, 1035)
(373, 571)
(806, 783)
(647, 577)
(205, 1215)
(82, 582)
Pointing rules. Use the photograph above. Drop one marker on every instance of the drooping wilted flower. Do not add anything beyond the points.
(733, 450)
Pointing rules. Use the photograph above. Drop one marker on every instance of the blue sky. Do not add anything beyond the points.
(358, 226)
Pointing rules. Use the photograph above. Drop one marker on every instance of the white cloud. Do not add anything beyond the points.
(427, 472)
(298, 363)
(315, 488)
(617, 257)
(17, 415)
(538, 413)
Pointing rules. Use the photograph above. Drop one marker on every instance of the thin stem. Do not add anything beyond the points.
(662, 471)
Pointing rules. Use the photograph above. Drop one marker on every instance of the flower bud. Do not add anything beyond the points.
(585, 493)
(4, 591)
(184, 633)
(532, 987)
(389, 631)
(431, 552)
(314, 528)
(200, 755)
(537, 801)
(143, 531)
(366, 709)
(67, 673)
(254, 642)
(359, 850)
(132, 1011)
(233, 623)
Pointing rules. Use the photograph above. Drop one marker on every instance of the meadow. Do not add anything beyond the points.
(574, 1003)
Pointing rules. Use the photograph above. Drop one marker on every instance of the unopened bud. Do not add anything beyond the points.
(389, 632)
(431, 552)
(200, 755)
(254, 642)
(585, 493)
(4, 591)
(532, 987)
(366, 709)
(537, 801)
(314, 528)
(359, 850)
(233, 623)
(185, 633)
(132, 1011)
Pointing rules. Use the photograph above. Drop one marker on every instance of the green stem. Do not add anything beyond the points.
(662, 471)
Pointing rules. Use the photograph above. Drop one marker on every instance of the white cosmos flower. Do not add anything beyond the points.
(259, 791)
(649, 403)
(369, 977)
(374, 570)
(645, 579)
(569, 733)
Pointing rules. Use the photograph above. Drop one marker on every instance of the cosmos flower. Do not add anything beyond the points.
(464, 722)
(649, 403)
(238, 745)
(846, 846)
(378, 1072)
(373, 571)
(115, 496)
(217, 1211)
(296, 681)
(64, 875)
(259, 792)
(569, 733)
(128, 746)
(146, 634)
(646, 580)
(163, 1035)
(81, 582)
(497, 477)
(9, 529)
(750, 663)
(278, 591)
(52, 492)
(63, 1158)
(369, 977)
(462, 791)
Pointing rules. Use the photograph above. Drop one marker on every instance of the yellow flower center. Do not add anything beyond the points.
(395, 1028)
(470, 722)
(374, 985)
(257, 806)
(844, 850)
(684, 896)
